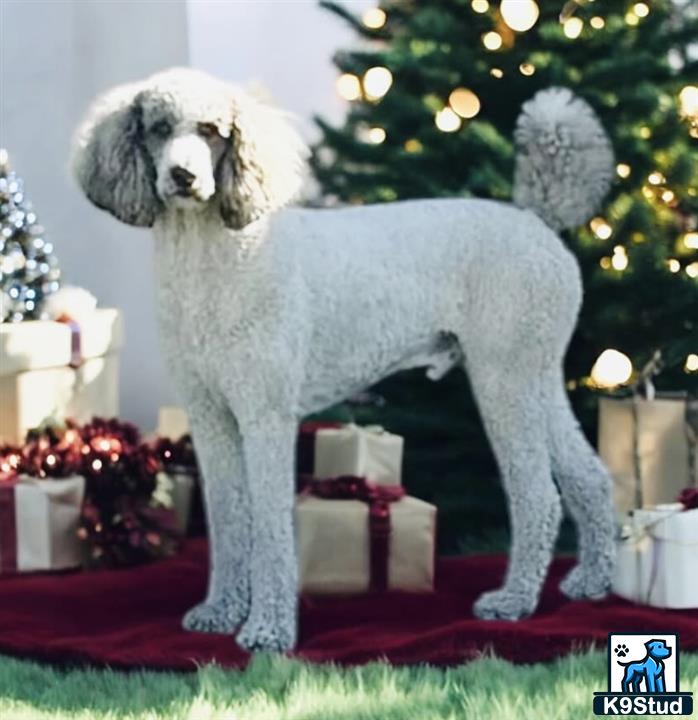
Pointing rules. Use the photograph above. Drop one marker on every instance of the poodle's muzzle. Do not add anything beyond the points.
(186, 170)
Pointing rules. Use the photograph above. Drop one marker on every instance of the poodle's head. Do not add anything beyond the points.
(184, 139)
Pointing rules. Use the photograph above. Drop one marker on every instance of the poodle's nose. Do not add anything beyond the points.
(182, 177)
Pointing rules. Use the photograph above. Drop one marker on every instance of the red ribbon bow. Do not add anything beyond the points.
(688, 497)
(378, 498)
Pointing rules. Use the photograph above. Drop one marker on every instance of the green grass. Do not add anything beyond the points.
(274, 688)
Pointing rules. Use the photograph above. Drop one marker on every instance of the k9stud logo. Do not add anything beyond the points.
(643, 677)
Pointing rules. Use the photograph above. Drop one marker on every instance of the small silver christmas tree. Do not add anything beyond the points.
(29, 270)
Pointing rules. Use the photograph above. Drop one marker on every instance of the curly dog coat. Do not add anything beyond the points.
(268, 313)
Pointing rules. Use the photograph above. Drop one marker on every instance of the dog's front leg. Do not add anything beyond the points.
(269, 450)
(219, 452)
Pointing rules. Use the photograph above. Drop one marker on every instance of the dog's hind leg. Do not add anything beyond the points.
(219, 452)
(513, 413)
(585, 487)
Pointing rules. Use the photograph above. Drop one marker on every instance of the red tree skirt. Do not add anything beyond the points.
(131, 617)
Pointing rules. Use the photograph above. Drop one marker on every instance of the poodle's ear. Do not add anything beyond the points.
(110, 161)
(262, 169)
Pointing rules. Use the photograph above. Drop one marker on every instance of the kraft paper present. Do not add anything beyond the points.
(368, 452)
(175, 490)
(645, 446)
(38, 382)
(334, 545)
(657, 562)
(39, 520)
(172, 422)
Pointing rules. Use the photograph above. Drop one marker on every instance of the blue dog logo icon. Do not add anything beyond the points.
(650, 669)
(643, 676)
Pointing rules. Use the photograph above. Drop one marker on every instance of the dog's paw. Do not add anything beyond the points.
(262, 635)
(589, 583)
(503, 605)
(622, 650)
(218, 617)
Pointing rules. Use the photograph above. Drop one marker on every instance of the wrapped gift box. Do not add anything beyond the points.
(172, 422)
(38, 382)
(657, 561)
(368, 452)
(305, 445)
(174, 490)
(334, 545)
(39, 521)
(645, 445)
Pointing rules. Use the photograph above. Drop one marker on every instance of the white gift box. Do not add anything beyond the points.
(333, 541)
(645, 446)
(368, 452)
(39, 519)
(36, 378)
(657, 562)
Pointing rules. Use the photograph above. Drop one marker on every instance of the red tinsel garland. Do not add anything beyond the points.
(120, 525)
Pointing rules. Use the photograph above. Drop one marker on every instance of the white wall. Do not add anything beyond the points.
(284, 46)
(57, 54)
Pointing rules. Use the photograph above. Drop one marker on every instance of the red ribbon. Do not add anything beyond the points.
(8, 526)
(76, 359)
(689, 498)
(378, 498)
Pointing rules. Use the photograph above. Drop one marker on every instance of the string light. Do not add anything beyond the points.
(691, 363)
(464, 102)
(641, 9)
(597, 22)
(601, 228)
(97, 465)
(572, 27)
(376, 135)
(480, 6)
(690, 240)
(688, 101)
(605, 263)
(612, 368)
(413, 146)
(492, 40)
(674, 265)
(656, 178)
(623, 170)
(377, 82)
(349, 86)
(374, 18)
(692, 270)
(447, 121)
(631, 18)
(50, 460)
(620, 258)
(645, 132)
(668, 196)
(519, 15)
(527, 69)
(496, 72)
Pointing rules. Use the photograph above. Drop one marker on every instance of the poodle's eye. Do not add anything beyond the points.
(161, 129)
(207, 130)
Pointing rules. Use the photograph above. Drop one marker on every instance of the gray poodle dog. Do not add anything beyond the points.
(268, 313)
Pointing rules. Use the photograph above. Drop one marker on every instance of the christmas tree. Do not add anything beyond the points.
(434, 90)
(28, 268)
